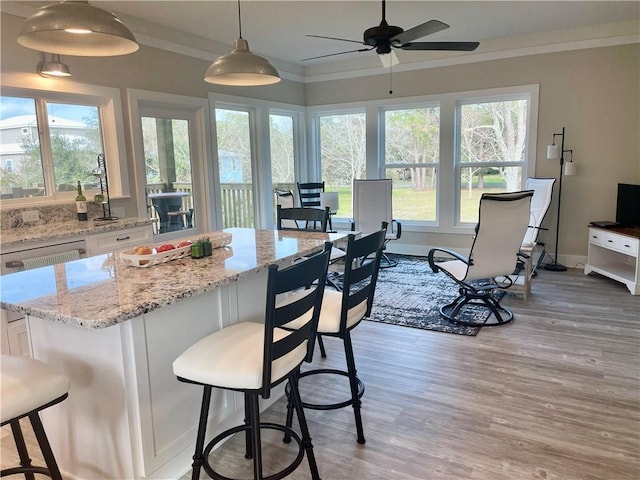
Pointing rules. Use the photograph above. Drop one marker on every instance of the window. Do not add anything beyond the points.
(491, 151)
(342, 153)
(282, 144)
(411, 156)
(54, 139)
(233, 129)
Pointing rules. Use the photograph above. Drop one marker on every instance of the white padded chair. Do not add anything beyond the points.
(372, 205)
(503, 221)
(28, 386)
(542, 192)
(252, 358)
(341, 312)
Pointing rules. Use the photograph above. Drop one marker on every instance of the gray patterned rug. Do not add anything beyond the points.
(411, 295)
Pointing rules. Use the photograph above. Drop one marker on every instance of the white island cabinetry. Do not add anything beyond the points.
(615, 253)
(116, 330)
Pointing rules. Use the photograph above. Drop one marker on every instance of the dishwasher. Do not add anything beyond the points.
(13, 332)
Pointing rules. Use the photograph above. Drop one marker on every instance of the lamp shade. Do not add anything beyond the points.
(76, 28)
(331, 200)
(570, 169)
(53, 68)
(241, 68)
(553, 152)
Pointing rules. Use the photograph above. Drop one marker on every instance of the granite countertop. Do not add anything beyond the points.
(23, 237)
(101, 291)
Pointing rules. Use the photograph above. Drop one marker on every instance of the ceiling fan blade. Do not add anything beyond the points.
(335, 38)
(453, 46)
(419, 31)
(339, 53)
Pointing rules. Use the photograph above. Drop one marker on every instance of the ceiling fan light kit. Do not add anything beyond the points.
(240, 67)
(76, 28)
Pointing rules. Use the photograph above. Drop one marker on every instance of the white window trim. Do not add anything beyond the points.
(446, 174)
(22, 84)
(193, 109)
(261, 157)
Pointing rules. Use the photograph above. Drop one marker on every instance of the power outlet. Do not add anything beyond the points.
(30, 216)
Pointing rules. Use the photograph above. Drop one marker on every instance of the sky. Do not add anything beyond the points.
(14, 106)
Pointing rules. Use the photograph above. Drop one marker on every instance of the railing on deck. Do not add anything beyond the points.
(237, 201)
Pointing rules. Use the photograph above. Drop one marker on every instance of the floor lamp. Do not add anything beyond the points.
(555, 152)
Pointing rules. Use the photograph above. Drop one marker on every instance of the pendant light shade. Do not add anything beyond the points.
(77, 28)
(53, 68)
(241, 68)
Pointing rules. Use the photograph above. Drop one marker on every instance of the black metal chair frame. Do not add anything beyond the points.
(26, 467)
(477, 291)
(291, 279)
(360, 278)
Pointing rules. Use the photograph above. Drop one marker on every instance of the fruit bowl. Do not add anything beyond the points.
(144, 261)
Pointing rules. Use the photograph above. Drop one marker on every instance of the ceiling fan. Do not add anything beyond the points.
(384, 37)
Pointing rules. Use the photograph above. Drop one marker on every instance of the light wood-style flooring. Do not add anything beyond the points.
(553, 396)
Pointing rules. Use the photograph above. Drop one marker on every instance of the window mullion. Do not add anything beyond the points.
(46, 153)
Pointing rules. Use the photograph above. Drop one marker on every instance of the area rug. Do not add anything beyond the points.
(411, 295)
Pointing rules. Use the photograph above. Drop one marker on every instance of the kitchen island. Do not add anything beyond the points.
(116, 329)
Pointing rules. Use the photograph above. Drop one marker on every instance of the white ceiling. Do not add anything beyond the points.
(278, 29)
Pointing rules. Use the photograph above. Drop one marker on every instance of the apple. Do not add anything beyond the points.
(165, 247)
(142, 250)
(184, 243)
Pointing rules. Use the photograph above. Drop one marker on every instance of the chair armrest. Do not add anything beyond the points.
(432, 263)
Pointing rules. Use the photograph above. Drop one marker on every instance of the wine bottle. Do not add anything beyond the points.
(81, 204)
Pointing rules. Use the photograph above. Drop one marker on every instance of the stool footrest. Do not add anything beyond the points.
(240, 428)
(329, 406)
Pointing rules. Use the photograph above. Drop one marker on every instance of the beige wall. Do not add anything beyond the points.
(594, 93)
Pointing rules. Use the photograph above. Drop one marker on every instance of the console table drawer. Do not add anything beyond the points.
(628, 245)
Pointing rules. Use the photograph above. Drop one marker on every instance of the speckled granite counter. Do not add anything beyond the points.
(19, 238)
(101, 291)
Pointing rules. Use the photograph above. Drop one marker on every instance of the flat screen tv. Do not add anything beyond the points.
(628, 205)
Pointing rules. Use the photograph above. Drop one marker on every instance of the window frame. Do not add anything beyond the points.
(446, 190)
(111, 120)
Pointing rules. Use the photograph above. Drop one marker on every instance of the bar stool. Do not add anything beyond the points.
(26, 387)
(252, 358)
(341, 312)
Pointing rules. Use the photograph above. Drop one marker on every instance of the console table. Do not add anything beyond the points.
(615, 253)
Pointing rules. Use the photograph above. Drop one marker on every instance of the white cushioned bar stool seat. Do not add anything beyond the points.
(26, 387)
(252, 358)
(341, 312)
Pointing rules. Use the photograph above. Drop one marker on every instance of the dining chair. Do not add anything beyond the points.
(310, 193)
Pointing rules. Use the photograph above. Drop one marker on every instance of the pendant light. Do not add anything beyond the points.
(53, 68)
(76, 28)
(241, 67)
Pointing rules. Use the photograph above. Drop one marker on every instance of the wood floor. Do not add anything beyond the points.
(555, 395)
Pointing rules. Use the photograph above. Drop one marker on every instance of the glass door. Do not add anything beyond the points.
(168, 175)
(233, 130)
